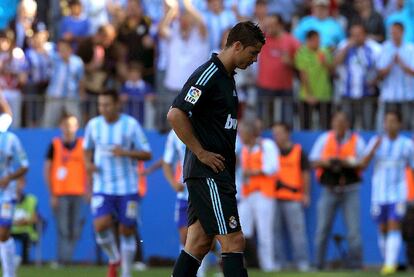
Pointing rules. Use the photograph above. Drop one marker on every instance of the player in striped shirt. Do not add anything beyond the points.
(13, 165)
(392, 154)
(113, 144)
(173, 160)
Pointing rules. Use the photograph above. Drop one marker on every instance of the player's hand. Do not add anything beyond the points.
(213, 160)
(118, 152)
(4, 181)
(54, 203)
(178, 187)
(377, 143)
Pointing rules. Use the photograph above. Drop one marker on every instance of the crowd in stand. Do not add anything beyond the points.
(320, 56)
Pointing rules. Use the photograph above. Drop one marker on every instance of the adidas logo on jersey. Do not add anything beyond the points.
(231, 123)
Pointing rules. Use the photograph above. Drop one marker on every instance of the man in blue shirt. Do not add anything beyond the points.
(328, 28)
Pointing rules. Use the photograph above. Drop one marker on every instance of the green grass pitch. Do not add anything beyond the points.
(89, 271)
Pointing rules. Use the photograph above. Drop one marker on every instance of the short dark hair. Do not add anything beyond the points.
(111, 93)
(135, 66)
(74, 3)
(311, 34)
(359, 23)
(398, 24)
(65, 41)
(247, 32)
(279, 17)
(65, 116)
(396, 113)
(287, 127)
(261, 2)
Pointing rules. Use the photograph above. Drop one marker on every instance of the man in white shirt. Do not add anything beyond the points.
(355, 60)
(259, 159)
(396, 71)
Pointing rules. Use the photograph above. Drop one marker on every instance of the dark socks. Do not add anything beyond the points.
(233, 265)
(186, 266)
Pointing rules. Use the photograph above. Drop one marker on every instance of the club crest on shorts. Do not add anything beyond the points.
(193, 95)
(232, 222)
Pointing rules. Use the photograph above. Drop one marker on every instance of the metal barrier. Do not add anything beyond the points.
(152, 112)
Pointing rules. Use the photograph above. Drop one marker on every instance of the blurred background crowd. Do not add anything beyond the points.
(320, 55)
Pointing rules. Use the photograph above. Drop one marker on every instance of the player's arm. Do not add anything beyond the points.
(5, 114)
(181, 124)
(19, 158)
(168, 170)
(89, 165)
(4, 106)
(372, 148)
(132, 154)
(140, 149)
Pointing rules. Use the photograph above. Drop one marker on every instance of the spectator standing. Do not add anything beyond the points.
(355, 61)
(23, 24)
(98, 53)
(330, 31)
(392, 153)
(396, 72)
(76, 25)
(187, 43)
(136, 94)
(276, 71)
(372, 20)
(259, 163)
(385, 7)
(337, 156)
(219, 19)
(38, 62)
(12, 74)
(314, 65)
(293, 195)
(405, 16)
(135, 39)
(65, 86)
(65, 176)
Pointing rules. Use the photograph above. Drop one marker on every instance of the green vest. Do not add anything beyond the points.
(25, 210)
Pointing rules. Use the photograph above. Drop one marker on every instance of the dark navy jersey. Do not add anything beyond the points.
(210, 99)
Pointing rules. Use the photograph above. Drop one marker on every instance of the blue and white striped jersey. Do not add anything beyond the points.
(174, 152)
(12, 157)
(115, 175)
(390, 161)
(397, 85)
(357, 70)
(38, 65)
(217, 25)
(65, 77)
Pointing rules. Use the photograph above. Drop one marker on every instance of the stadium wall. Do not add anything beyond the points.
(159, 234)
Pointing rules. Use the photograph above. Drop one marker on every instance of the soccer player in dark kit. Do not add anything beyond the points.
(204, 116)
